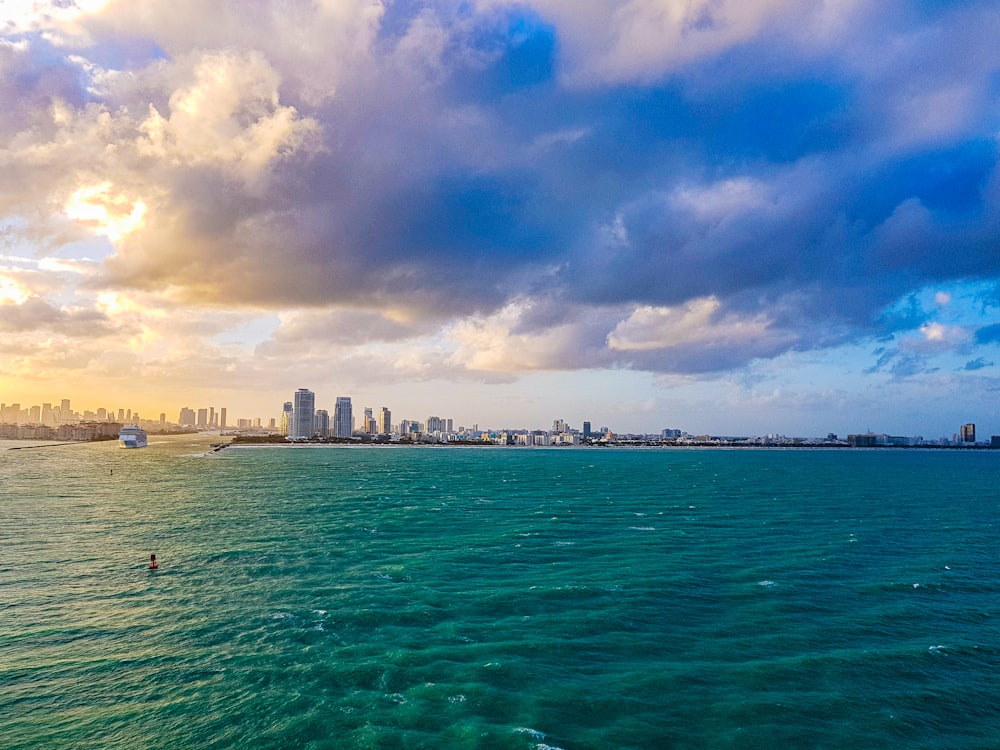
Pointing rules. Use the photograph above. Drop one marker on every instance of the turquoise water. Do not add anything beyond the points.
(498, 598)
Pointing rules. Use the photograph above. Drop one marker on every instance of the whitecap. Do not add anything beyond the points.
(319, 612)
(456, 699)
(765, 583)
(642, 528)
(533, 733)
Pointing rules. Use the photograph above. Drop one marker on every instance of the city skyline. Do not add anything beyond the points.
(303, 424)
(751, 217)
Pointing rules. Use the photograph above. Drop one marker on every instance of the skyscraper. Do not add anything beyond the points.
(286, 418)
(968, 433)
(384, 421)
(303, 414)
(321, 423)
(343, 418)
(222, 418)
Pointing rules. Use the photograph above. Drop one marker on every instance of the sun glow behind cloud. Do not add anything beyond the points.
(12, 291)
(112, 215)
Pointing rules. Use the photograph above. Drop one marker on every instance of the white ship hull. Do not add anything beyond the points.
(132, 436)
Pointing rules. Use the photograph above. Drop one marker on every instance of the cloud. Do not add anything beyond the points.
(977, 364)
(326, 328)
(988, 334)
(504, 187)
(317, 45)
(33, 314)
(608, 41)
(650, 328)
(226, 114)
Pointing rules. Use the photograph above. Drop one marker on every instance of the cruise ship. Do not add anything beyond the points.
(132, 436)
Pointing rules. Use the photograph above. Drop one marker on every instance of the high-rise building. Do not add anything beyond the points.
(286, 418)
(321, 423)
(343, 418)
(202, 419)
(384, 421)
(222, 418)
(968, 433)
(211, 417)
(303, 413)
(370, 426)
(586, 429)
(186, 418)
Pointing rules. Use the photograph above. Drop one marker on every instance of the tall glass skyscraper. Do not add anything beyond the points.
(286, 418)
(321, 425)
(343, 418)
(303, 414)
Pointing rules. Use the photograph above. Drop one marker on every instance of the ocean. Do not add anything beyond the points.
(388, 597)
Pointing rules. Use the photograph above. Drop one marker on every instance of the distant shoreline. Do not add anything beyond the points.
(669, 446)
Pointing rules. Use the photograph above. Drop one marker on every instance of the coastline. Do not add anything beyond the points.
(608, 446)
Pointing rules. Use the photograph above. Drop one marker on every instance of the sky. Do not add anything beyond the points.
(738, 217)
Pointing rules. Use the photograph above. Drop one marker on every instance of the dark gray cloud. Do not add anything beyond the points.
(977, 364)
(38, 316)
(448, 170)
(988, 334)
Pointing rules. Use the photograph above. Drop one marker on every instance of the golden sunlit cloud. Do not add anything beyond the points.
(11, 291)
(113, 216)
(112, 303)
(649, 327)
